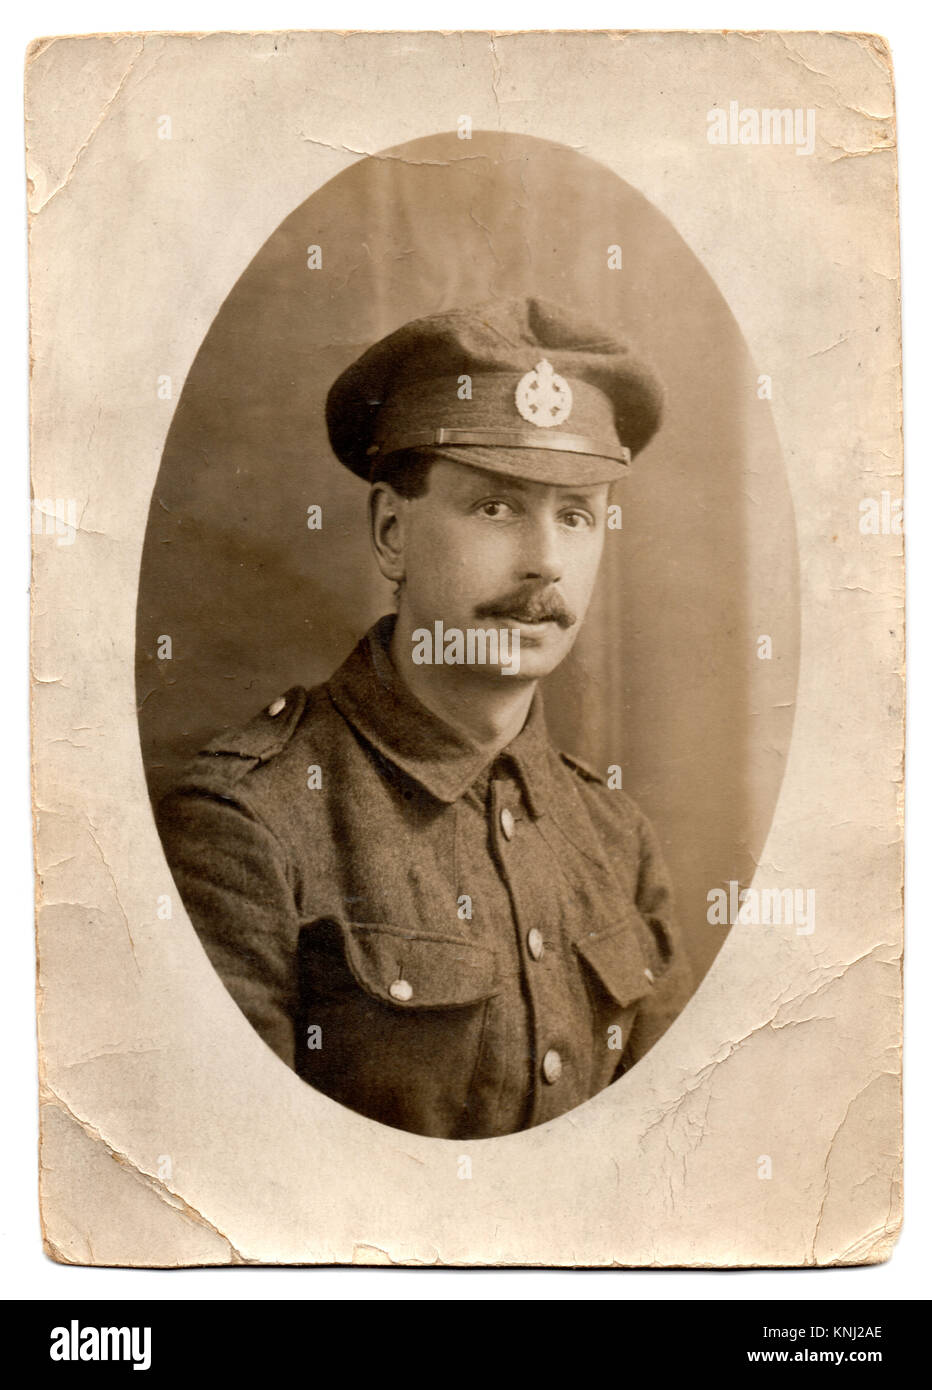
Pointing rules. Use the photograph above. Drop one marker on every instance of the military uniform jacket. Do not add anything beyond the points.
(452, 947)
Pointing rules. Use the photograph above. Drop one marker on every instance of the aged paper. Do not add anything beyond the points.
(222, 228)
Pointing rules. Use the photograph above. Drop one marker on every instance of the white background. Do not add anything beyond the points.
(26, 1272)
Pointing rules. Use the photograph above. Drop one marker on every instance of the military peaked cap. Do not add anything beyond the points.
(521, 387)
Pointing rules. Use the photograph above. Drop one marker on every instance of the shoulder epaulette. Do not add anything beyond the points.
(267, 734)
(584, 770)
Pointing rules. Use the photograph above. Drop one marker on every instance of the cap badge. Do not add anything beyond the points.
(543, 398)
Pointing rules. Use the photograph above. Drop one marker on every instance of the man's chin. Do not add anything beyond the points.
(533, 662)
(514, 674)
(527, 664)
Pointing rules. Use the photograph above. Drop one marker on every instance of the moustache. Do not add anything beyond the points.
(531, 605)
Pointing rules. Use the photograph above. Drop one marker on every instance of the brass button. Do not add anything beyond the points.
(400, 990)
(552, 1066)
(276, 706)
(535, 943)
(508, 823)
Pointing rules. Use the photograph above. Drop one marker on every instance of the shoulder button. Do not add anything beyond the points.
(268, 733)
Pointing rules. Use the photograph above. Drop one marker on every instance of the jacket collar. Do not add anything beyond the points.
(373, 698)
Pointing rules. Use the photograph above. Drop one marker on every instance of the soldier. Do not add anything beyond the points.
(455, 929)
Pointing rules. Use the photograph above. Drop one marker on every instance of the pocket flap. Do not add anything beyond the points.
(417, 970)
(618, 960)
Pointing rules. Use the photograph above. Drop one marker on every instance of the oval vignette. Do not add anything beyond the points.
(665, 680)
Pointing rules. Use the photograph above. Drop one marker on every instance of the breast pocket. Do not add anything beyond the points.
(393, 1020)
(619, 979)
(413, 970)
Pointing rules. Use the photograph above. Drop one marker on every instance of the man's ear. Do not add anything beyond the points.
(388, 516)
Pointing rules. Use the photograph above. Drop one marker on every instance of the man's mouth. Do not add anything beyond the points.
(529, 619)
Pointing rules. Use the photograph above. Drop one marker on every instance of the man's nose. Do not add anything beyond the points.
(541, 557)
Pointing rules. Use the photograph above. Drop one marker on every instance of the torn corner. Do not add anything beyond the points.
(96, 1207)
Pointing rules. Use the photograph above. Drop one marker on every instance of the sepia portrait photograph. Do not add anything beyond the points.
(508, 540)
(433, 908)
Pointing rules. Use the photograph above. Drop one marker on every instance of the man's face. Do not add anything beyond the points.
(482, 550)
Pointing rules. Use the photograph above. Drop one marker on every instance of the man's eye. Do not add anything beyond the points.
(578, 521)
(494, 509)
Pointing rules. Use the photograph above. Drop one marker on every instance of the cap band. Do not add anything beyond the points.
(552, 441)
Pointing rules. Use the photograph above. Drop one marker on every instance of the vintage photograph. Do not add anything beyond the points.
(428, 907)
(468, 551)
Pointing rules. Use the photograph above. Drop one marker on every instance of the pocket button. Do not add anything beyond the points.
(552, 1066)
(400, 990)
